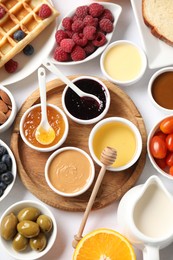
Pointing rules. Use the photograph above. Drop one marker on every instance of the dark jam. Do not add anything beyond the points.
(86, 108)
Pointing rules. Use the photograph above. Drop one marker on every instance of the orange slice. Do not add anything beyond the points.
(104, 244)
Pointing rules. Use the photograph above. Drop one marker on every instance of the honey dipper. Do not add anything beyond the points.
(107, 158)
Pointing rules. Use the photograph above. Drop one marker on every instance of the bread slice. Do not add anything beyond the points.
(158, 15)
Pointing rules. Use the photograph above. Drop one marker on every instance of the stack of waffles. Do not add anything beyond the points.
(21, 15)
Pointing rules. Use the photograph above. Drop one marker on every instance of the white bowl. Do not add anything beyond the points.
(29, 253)
(11, 118)
(131, 80)
(14, 170)
(116, 11)
(95, 119)
(89, 181)
(128, 124)
(45, 149)
(150, 85)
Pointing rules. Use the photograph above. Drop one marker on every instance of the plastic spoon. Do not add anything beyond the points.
(44, 134)
(49, 65)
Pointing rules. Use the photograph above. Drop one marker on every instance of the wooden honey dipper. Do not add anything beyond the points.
(107, 158)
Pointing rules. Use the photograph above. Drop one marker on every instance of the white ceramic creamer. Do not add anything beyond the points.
(145, 217)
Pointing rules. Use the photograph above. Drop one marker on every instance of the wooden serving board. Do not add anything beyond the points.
(31, 163)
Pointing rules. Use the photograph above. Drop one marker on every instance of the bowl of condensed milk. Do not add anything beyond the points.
(123, 62)
(69, 171)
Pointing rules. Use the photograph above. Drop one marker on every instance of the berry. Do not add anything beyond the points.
(3, 150)
(67, 45)
(11, 66)
(60, 54)
(45, 11)
(7, 160)
(67, 22)
(3, 186)
(19, 35)
(78, 53)
(106, 25)
(2, 12)
(89, 20)
(100, 39)
(28, 50)
(1, 192)
(81, 11)
(96, 9)
(70, 34)
(108, 15)
(79, 39)
(89, 48)
(3, 167)
(89, 32)
(7, 177)
(60, 35)
(77, 25)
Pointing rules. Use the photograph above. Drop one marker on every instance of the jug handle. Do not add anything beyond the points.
(151, 252)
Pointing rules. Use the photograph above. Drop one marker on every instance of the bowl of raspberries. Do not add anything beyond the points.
(84, 33)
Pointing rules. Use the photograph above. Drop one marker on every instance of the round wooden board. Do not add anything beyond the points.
(31, 163)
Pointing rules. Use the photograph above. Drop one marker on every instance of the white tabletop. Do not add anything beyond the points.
(68, 222)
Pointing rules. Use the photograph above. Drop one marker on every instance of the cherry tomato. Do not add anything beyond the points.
(169, 159)
(161, 135)
(161, 163)
(171, 170)
(166, 125)
(169, 142)
(158, 147)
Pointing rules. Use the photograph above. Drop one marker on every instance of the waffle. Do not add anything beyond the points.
(21, 15)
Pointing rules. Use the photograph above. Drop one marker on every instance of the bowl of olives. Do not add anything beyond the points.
(8, 170)
(27, 230)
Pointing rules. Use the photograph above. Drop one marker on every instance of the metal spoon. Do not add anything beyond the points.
(49, 65)
(44, 134)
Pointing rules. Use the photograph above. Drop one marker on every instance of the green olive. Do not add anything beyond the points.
(29, 213)
(38, 243)
(28, 228)
(45, 223)
(20, 242)
(9, 226)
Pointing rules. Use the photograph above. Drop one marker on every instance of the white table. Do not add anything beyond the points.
(68, 222)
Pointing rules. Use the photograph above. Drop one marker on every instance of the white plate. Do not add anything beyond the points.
(116, 11)
(159, 53)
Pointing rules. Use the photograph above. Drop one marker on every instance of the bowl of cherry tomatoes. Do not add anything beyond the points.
(160, 146)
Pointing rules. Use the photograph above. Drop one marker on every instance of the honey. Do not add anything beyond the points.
(32, 120)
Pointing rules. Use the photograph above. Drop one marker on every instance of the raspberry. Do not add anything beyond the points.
(11, 66)
(96, 9)
(82, 11)
(75, 17)
(89, 32)
(89, 20)
(67, 45)
(100, 39)
(108, 15)
(60, 54)
(60, 35)
(70, 34)
(45, 11)
(77, 25)
(106, 25)
(89, 48)
(78, 53)
(2, 12)
(79, 39)
(67, 22)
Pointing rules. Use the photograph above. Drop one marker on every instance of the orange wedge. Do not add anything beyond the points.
(104, 244)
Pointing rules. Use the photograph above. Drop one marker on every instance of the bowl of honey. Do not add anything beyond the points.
(120, 134)
(31, 120)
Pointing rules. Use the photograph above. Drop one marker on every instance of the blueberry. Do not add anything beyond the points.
(1, 192)
(3, 167)
(7, 160)
(3, 186)
(19, 35)
(3, 150)
(28, 50)
(7, 177)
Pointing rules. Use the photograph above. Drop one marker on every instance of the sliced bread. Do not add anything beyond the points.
(158, 15)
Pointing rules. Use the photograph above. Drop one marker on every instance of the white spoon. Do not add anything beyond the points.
(44, 134)
(49, 65)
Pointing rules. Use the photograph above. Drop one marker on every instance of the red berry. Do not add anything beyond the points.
(70, 33)
(2, 12)
(89, 32)
(89, 20)
(67, 22)
(11, 66)
(67, 45)
(77, 25)
(78, 53)
(45, 11)
(108, 15)
(89, 48)
(96, 9)
(60, 54)
(79, 39)
(81, 11)
(106, 25)
(60, 35)
(100, 39)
